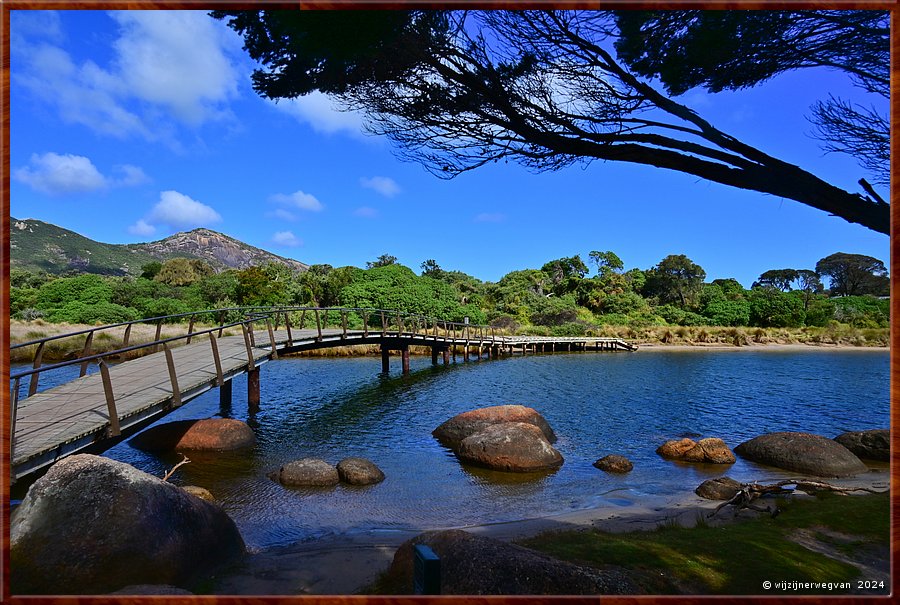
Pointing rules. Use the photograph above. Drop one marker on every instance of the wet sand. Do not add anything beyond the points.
(348, 563)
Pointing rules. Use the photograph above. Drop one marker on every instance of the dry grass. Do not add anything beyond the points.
(705, 335)
(70, 348)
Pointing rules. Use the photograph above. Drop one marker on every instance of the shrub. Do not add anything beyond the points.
(83, 313)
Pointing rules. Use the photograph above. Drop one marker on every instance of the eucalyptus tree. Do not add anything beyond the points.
(455, 90)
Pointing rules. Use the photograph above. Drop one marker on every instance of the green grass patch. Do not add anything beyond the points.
(735, 558)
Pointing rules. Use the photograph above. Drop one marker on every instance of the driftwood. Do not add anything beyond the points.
(750, 492)
(174, 468)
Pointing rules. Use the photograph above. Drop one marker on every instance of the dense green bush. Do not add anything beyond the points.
(80, 312)
(771, 308)
(88, 289)
(862, 311)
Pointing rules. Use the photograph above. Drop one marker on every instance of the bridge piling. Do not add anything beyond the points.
(385, 359)
(252, 388)
(446, 356)
(404, 355)
(434, 356)
(225, 394)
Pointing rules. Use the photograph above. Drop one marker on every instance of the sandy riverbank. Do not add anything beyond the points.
(346, 564)
(658, 346)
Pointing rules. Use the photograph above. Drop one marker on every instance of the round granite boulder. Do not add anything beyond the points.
(720, 488)
(711, 450)
(210, 434)
(307, 472)
(510, 446)
(804, 453)
(359, 471)
(453, 431)
(873, 444)
(614, 464)
(91, 525)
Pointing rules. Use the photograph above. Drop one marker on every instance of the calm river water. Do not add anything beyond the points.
(598, 403)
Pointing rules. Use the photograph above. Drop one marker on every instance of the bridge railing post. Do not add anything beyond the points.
(318, 326)
(344, 321)
(114, 429)
(303, 319)
(365, 324)
(156, 338)
(13, 409)
(287, 326)
(250, 362)
(216, 359)
(399, 324)
(173, 376)
(272, 338)
(383, 325)
(38, 357)
(221, 322)
(127, 336)
(86, 351)
(190, 330)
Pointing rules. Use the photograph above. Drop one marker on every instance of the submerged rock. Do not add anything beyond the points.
(510, 446)
(720, 488)
(307, 472)
(359, 471)
(475, 565)
(200, 492)
(91, 525)
(210, 434)
(614, 464)
(453, 431)
(803, 453)
(874, 444)
(711, 450)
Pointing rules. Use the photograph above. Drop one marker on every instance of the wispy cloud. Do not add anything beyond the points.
(490, 217)
(286, 239)
(168, 68)
(282, 215)
(142, 228)
(298, 199)
(319, 112)
(365, 212)
(386, 186)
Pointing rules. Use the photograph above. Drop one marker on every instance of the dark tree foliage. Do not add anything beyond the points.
(728, 50)
(382, 261)
(854, 274)
(676, 279)
(777, 278)
(456, 90)
(431, 268)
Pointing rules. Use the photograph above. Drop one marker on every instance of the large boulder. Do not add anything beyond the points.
(359, 471)
(803, 453)
(92, 525)
(614, 464)
(210, 434)
(307, 472)
(873, 444)
(720, 488)
(711, 450)
(475, 565)
(453, 431)
(510, 446)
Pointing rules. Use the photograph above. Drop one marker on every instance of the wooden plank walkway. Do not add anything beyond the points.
(74, 416)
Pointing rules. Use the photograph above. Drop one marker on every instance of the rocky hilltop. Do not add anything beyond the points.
(218, 249)
(39, 246)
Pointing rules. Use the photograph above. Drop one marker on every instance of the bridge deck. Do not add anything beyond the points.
(74, 416)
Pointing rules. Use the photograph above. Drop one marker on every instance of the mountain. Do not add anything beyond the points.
(39, 246)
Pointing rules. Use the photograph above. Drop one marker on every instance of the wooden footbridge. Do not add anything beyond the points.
(99, 408)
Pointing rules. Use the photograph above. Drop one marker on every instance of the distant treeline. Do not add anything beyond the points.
(561, 298)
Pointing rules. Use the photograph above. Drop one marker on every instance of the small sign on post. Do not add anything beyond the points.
(426, 571)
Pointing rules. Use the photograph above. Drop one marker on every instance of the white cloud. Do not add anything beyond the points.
(59, 174)
(168, 67)
(142, 227)
(386, 186)
(287, 239)
(282, 214)
(298, 199)
(56, 174)
(319, 112)
(178, 211)
(490, 217)
(365, 212)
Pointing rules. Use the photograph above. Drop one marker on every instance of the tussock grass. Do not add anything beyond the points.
(69, 348)
(735, 558)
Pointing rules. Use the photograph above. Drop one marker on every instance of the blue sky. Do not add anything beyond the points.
(130, 126)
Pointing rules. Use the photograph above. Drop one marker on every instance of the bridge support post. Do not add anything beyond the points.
(404, 353)
(385, 359)
(434, 356)
(225, 393)
(447, 356)
(253, 388)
